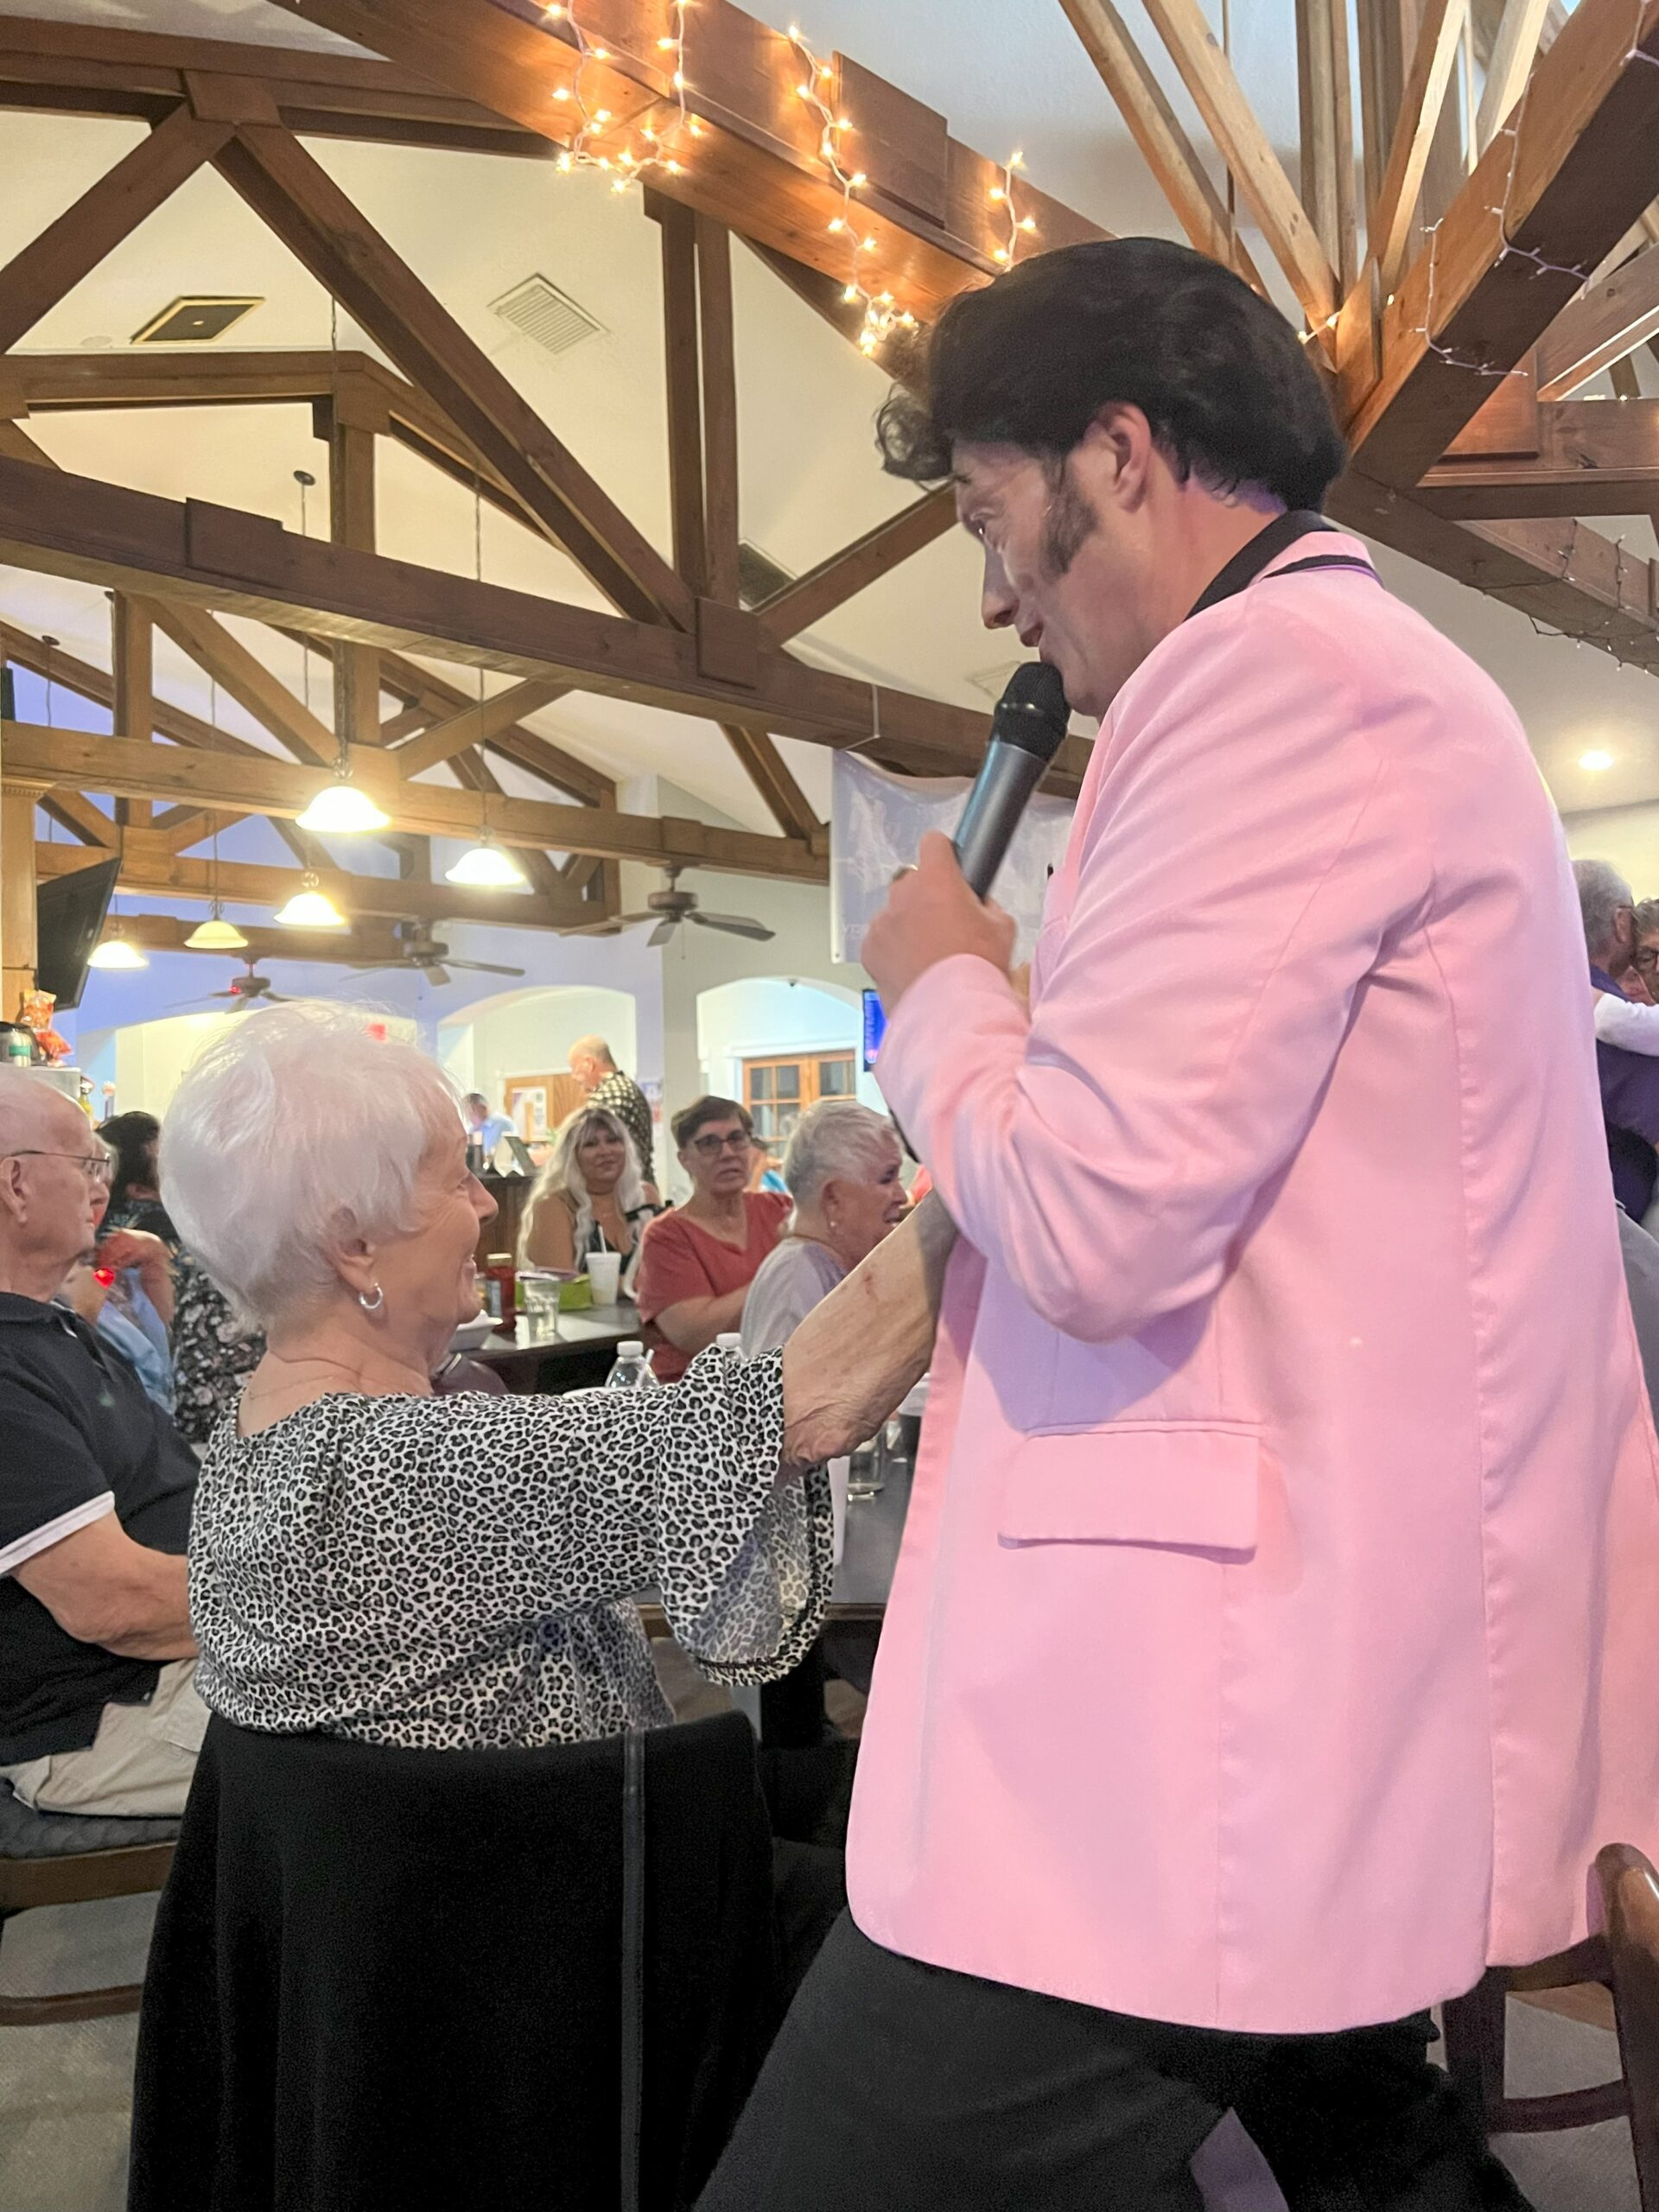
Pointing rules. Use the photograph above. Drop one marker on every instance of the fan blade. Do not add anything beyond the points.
(200, 1001)
(375, 967)
(663, 930)
(486, 967)
(613, 927)
(733, 924)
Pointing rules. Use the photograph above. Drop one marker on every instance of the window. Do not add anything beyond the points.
(778, 1092)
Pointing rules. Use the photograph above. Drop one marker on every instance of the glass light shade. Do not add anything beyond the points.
(216, 935)
(310, 909)
(485, 866)
(341, 808)
(115, 952)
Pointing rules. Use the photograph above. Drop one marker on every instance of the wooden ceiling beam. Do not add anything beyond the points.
(806, 601)
(437, 697)
(1594, 457)
(338, 948)
(769, 772)
(1228, 117)
(1600, 327)
(1514, 50)
(1426, 82)
(147, 868)
(1583, 168)
(475, 725)
(217, 556)
(1156, 129)
(40, 759)
(1325, 84)
(297, 200)
(34, 281)
(132, 661)
(74, 812)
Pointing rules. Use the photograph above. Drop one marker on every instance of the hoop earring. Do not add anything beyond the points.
(371, 1304)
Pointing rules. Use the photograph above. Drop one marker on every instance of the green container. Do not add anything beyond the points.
(575, 1297)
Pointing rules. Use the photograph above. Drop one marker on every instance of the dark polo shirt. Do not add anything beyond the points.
(1629, 1108)
(78, 1438)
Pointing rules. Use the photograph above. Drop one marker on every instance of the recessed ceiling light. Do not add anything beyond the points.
(195, 321)
(1595, 760)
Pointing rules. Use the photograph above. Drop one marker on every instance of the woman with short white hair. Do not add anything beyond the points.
(842, 1169)
(371, 1561)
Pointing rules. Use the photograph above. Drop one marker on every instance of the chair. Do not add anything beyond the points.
(1624, 1960)
(386, 1979)
(67, 1859)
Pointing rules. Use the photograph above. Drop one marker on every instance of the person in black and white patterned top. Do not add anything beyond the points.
(373, 1562)
(606, 1085)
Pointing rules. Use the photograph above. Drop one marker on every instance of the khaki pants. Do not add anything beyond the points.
(139, 1766)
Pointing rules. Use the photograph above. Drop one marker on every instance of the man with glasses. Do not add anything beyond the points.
(1629, 1078)
(99, 1712)
(699, 1262)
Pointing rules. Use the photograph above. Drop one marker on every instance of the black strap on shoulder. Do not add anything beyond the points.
(1326, 561)
(1276, 538)
(634, 1963)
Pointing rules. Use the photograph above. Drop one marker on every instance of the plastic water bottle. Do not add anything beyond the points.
(633, 1369)
(731, 1342)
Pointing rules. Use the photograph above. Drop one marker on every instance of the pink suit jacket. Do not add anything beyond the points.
(1276, 1634)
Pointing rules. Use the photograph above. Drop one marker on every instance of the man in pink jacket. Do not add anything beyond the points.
(1276, 1638)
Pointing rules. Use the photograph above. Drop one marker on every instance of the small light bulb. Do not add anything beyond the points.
(826, 69)
(649, 134)
(674, 169)
(679, 80)
(601, 115)
(622, 185)
(795, 33)
(695, 128)
(604, 161)
(1595, 760)
(562, 92)
(837, 223)
(884, 298)
(866, 245)
(843, 122)
(555, 9)
(997, 193)
(627, 158)
(666, 45)
(859, 180)
(850, 294)
(803, 92)
(1002, 254)
(565, 162)
(601, 54)
(1026, 223)
(1016, 159)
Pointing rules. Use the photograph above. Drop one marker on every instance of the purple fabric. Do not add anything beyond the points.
(1629, 1107)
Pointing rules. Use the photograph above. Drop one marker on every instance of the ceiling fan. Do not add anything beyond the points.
(244, 990)
(423, 951)
(668, 909)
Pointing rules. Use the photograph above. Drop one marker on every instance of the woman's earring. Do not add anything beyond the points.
(371, 1304)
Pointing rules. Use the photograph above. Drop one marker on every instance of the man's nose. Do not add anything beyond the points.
(998, 602)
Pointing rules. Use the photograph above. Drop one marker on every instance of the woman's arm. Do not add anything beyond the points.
(548, 1239)
(861, 1352)
(1622, 1021)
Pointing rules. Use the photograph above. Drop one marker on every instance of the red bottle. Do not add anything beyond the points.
(500, 1292)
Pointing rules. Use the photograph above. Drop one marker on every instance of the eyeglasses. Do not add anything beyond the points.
(1645, 958)
(96, 1167)
(711, 1148)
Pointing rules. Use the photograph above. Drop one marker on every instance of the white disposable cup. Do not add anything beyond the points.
(840, 1470)
(605, 1273)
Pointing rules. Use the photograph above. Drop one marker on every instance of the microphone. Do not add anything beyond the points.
(1027, 727)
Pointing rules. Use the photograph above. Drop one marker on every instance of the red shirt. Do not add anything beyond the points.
(682, 1261)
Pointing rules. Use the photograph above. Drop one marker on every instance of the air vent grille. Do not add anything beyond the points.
(194, 321)
(545, 313)
(758, 576)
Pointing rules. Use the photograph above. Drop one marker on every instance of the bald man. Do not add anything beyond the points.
(606, 1084)
(99, 1711)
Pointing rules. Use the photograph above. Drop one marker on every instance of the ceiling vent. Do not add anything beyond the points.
(195, 321)
(543, 312)
(992, 682)
(758, 576)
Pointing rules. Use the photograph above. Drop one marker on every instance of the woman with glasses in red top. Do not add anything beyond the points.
(699, 1260)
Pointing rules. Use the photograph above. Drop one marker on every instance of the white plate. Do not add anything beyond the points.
(471, 1334)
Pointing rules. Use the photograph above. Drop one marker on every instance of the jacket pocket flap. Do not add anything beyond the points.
(1190, 1485)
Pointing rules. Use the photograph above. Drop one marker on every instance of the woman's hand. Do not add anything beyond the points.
(148, 1258)
(859, 1352)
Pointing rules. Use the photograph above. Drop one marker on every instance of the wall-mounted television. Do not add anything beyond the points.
(69, 913)
(876, 1028)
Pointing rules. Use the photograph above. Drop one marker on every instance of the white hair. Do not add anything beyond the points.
(294, 1129)
(1602, 892)
(561, 1170)
(837, 1137)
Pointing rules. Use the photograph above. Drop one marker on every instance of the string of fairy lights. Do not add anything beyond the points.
(628, 153)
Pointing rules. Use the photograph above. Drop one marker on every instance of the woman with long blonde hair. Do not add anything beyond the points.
(590, 1196)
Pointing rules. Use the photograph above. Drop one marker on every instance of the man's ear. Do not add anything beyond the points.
(1116, 454)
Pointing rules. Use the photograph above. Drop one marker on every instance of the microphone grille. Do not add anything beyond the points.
(1033, 712)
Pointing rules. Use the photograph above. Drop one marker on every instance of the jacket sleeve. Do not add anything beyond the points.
(1623, 1022)
(1247, 859)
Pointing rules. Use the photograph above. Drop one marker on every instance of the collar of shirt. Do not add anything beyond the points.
(1604, 981)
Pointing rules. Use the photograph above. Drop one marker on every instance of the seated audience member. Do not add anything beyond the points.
(210, 1352)
(842, 1171)
(99, 1711)
(371, 1561)
(1629, 1081)
(606, 1084)
(1632, 1020)
(124, 1316)
(699, 1260)
(590, 1196)
(764, 1174)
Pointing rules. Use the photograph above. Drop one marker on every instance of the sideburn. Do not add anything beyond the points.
(1068, 521)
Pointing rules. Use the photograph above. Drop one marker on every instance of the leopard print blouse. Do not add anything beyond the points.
(454, 1572)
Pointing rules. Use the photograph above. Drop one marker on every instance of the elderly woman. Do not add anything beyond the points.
(371, 1561)
(589, 1197)
(841, 1170)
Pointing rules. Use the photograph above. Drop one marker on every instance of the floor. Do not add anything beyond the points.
(64, 2090)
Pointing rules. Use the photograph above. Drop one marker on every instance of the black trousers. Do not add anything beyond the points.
(895, 2087)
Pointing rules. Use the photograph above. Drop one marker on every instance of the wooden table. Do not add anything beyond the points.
(876, 1530)
(574, 1353)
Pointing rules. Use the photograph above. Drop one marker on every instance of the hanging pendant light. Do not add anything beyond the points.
(485, 866)
(340, 809)
(116, 950)
(311, 908)
(215, 934)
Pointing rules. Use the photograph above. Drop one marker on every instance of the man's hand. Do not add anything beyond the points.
(147, 1255)
(931, 915)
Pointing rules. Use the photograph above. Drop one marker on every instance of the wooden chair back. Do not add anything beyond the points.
(1629, 1895)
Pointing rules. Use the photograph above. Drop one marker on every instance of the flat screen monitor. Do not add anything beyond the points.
(69, 911)
(876, 1028)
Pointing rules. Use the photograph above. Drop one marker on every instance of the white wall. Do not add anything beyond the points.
(146, 1061)
(1626, 835)
(530, 1032)
(769, 1015)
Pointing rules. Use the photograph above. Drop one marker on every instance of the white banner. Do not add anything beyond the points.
(876, 824)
